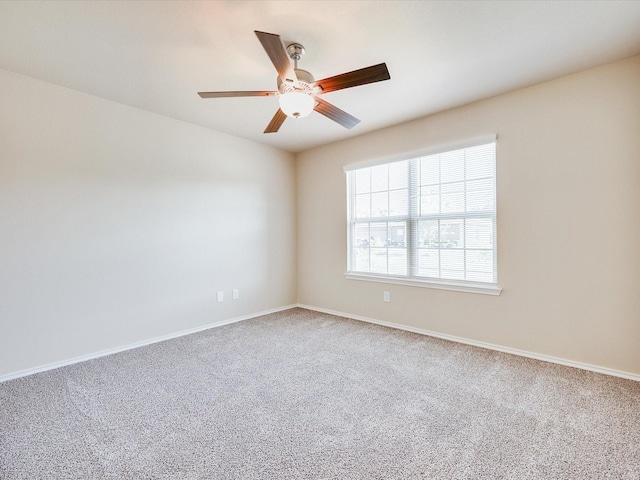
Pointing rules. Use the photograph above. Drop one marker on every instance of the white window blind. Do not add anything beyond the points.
(431, 218)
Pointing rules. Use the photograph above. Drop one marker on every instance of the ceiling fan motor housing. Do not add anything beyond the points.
(305, 79)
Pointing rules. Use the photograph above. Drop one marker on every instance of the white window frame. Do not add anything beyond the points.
(489, 288)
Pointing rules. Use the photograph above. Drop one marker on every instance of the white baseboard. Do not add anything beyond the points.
(453, 338)
(110, 351)
(490, 346)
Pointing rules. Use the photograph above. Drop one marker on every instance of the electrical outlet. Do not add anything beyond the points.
(235, 294)
(386, 296)
(220, 296)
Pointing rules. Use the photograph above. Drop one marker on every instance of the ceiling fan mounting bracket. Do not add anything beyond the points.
(295, 51)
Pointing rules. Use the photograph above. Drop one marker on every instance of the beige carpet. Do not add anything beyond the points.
(301, 394)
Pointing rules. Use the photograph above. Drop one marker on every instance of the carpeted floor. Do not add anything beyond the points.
(300, 394)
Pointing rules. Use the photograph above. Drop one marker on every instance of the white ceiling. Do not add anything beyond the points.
(441, 54)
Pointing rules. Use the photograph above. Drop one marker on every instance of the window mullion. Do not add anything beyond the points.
(351, 188)
(439, 212)
(464, 220)
(412, 230)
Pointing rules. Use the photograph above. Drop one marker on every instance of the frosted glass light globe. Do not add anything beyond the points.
(296, 104)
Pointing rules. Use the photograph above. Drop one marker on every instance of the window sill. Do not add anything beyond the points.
(468, 287)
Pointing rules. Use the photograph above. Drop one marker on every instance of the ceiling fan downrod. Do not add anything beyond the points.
(295, 52)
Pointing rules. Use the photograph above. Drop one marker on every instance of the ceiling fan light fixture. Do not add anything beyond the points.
(296, 104)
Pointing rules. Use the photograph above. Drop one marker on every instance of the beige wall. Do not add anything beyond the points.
(568, 166)
(118, 225)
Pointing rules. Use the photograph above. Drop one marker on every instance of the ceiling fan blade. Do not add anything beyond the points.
(276, 122)
(375, 73)
(278, 55)
(236, 94)
(335, 114)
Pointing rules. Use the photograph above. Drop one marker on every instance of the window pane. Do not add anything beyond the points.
(479, 277)
(480, 196)
(480, 261)
(399, 202)
(430, 170)
(363, 180)
(380, 204)
(378, 234)
(379, 260)
(452, 198)
(453, 203)
(479, 233)
(397, 234)
(452, 264)
(363, 205)
(397, 261)
(361, 234)
(430, 190)
(360, 259)
(428, 233)
(428, 263)
(452, 233)
(484, 184)
(398, 175)
(380, 178)
(452, 166)
(448, 188)
(480, 265)
(481, 161)
(429, 204)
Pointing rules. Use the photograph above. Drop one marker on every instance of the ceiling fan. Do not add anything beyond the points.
(298, 92)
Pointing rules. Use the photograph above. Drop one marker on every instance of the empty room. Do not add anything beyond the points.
(319, 239)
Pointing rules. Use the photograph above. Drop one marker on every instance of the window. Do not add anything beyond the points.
(428, 220)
